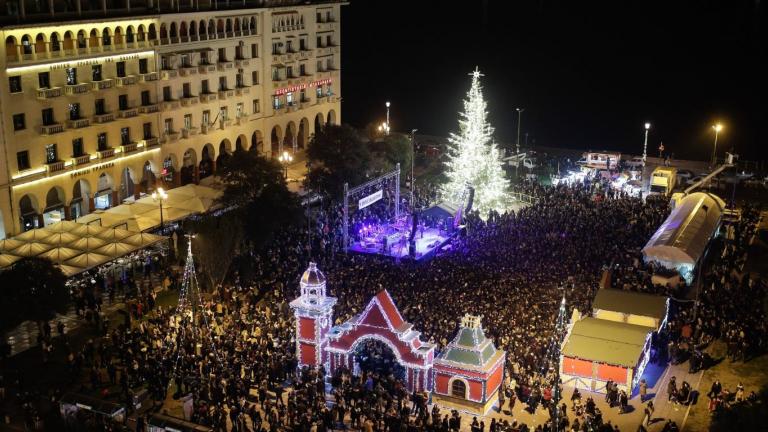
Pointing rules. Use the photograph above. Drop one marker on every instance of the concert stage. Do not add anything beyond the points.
(392, 240)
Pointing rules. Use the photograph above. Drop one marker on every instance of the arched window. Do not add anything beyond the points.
(459, 389)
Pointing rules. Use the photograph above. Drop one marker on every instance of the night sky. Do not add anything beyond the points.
(588, 74)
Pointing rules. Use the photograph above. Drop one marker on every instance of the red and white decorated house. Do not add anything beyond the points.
(469, 371)
(314, 316)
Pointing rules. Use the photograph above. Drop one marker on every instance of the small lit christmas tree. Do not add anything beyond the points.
(473, 157)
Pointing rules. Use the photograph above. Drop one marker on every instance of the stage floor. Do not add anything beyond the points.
(427, 242)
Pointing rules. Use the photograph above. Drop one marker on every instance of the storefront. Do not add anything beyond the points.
(78, 409)
(103, 199)
(54, 214)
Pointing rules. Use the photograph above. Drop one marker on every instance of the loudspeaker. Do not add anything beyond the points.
(415, 225)
(470, 199)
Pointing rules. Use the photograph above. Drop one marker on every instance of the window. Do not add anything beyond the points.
(204, 89)
(329, 63)
(254, 50)
(125, 135)
(328, 40)
(239, 110)
(47, 115)
(459, 389)
(122, 102)
(101, 141)
(44, 80)
(165, 62)
(328, 16)
(256, 106)
(319, 42)
(289, 72)
(328, 90)
(276, 102)
(319, 91)
(96, 72)
(187, 90)
(51, 155)
(303, 96)
(276, 48)
(71, 76)
(289, 46)
(14, 83)
(319, 17)
(145, 98)
(275, 74)
(239, 52)
(168, 126)
(239, 80)
(77, 147)
(74, 111)
(187, 121)
(120, 67)
(204, 58)
(222, 54)
(224, 113)
(185, 61)
(99, 107)
(143, 66)
(223, 83)
(255, 78)
(289, 98)
(18, 122)
(302, 44)
(167, 93)
(320, 66)
(147, 129)
(302, 69)
(206, 117)
(22, 160)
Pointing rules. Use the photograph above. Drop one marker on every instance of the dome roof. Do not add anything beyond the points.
(312, 276)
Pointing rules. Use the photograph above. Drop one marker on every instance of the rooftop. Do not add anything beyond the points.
(631, 303)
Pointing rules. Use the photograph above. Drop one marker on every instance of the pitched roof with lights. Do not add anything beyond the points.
(470, 349)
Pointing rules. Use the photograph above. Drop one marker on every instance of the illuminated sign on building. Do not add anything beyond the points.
(303, 86)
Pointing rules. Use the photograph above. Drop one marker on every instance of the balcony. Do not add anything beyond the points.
(106, 153)
(81, 160)
(148, 77)
(223, 94)
(206, 68)
(188, 132)
(78, 123)
(52, 129)
(242, 90)
(54, 166)
(171, 136)
(170, 105)
(292, 107)
(168, 74)
(205, 128)
(226, 123)
(241, 119)
(149, 109)
(48, 93)
(151, 142)
(242, 62)
(224, 65)
(188, 70)
(208, 97)
(129, 112)
(104, 118)
(102, 85)
(189, 100)
(75, 89)
(129, 148)
(126, 80)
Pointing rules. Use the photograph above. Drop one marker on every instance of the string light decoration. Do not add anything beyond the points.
(551, 360)
(474, 158)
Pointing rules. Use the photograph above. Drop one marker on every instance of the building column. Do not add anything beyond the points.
(196, 176)
(137, 189)
(91, 204)
(67, 213)
(213, 166)
(40, 221)
(115, 198)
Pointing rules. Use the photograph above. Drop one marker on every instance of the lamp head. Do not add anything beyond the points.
(647, 126)
(387, 104)
(717, 127)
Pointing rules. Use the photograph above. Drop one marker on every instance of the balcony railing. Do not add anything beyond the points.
(126, 80)
(188, 70)
(74, 89)
(242, 62)
(206, 68)
(208, 97)
(148, 77)
(189, 100)
(168, 74)
(188, 132)
(149, 109)
(242, 90)
(172, 136)
(224, 65)
(106, 153)
(102, 85)
(54, 166)
(81, 160)
(128, 148)
(205, 128)
(52, 129)
(48, 93)
(129, 112)
(104, 118)
(78, 123)
(170, 105)
(151, 142)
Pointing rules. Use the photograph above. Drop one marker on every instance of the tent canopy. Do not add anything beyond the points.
(683, 237)
(605, 341)
(629, 302)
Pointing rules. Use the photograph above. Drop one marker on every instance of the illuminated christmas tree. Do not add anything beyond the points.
(473, 157)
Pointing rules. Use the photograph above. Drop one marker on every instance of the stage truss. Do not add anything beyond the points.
(358, 191)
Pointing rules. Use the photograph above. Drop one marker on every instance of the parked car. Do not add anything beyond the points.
(634, 163)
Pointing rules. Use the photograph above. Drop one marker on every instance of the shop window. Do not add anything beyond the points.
(459, 389)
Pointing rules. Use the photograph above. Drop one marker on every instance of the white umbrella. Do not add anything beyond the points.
(34, 235)
(31, 249)
(7, 259)
(9, 244)
(88, 260)
(60, 238)
(116, 249)
(87, 243)
(60, 254)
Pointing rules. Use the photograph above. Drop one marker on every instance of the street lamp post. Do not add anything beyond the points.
(717, 127)
(413, 162)
(645, 142)
(387, 128)
(285, 159)
(519, 117)
(158, 196)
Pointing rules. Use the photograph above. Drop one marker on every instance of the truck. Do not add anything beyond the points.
(663, 180)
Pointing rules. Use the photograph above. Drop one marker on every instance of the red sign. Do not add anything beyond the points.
(284, 90)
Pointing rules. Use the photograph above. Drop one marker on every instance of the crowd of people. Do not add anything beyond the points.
(229, 358)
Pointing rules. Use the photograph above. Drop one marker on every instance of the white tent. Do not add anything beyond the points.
(9, 244)
(31, 249)
(681, 240)
(87, 260)
(60, 254)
